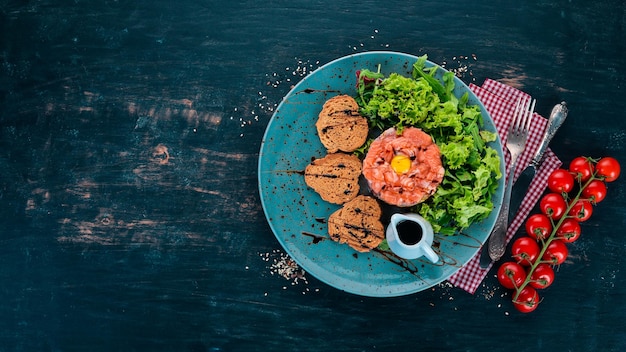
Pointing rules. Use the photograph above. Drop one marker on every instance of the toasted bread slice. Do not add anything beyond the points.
(335, 177)
(340, 127)
(358, 224)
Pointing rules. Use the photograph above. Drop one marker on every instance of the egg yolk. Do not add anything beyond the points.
(401, 164)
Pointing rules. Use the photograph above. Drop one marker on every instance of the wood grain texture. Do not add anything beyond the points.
(129, 209)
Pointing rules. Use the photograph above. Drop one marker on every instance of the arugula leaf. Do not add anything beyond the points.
(366, 82)
(419, 70)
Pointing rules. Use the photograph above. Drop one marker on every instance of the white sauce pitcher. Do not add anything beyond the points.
(410, 236)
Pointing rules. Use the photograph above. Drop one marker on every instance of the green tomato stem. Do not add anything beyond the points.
(555, 227)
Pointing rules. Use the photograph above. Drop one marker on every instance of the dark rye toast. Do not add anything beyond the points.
(339, 126)
(358, 224)
(334, 177)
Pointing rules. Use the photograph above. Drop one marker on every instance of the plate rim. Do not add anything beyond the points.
(307, 265)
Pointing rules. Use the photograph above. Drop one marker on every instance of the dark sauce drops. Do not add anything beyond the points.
(409, 232)
(316, 238)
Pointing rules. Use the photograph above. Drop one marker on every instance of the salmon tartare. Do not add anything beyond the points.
(403, 169)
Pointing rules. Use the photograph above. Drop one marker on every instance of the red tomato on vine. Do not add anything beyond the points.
(527, 300)
(582, 168)
(525, 250)
(608, 168)
(568, 231)
(595, 191)
(581, 210)
(562, 210)
(542, 276)
(511, 275)
(553, 205)
(561, 180)
(556, 253)
(538, 226)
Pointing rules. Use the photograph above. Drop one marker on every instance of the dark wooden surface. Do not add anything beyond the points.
(129, 136)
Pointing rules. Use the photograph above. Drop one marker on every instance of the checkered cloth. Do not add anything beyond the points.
(500, 99)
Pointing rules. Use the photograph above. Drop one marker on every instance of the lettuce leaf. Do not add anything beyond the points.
(472, 166)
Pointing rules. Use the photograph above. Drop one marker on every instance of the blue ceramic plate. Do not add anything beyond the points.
(297, 214)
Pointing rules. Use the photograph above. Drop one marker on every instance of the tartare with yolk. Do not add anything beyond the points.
(403, 169)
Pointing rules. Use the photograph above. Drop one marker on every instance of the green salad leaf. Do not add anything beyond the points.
(472, 167)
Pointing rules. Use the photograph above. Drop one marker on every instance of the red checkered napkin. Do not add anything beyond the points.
(499, 100)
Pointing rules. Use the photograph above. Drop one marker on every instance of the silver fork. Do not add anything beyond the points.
(515, 143)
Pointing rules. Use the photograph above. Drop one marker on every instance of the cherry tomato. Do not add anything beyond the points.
(525, 250)
(553, 205)
(581, 211)
(527, 300)
(511, 275)
(561, 180)
(608, 168)
(542, 276)
(582, 168)
(569, 231)
(538, 226)
(556, 253)
(595, 191)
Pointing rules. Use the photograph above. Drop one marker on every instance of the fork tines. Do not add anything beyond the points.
(524, 110)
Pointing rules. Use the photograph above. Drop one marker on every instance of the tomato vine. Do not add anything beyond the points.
(558, 224)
